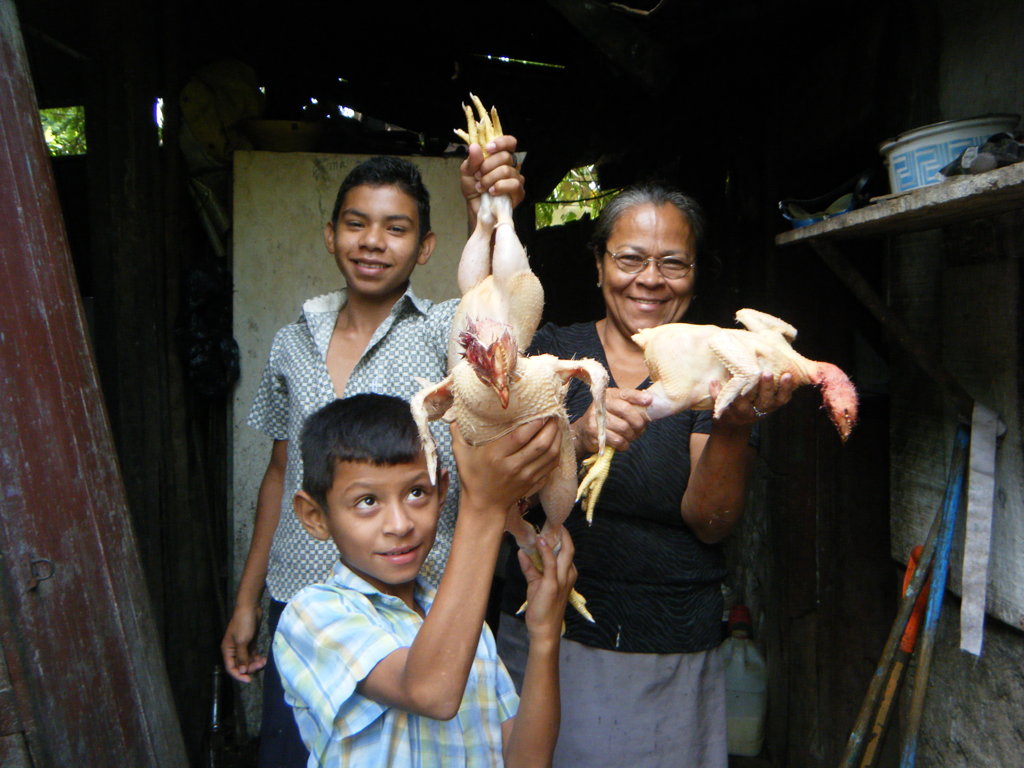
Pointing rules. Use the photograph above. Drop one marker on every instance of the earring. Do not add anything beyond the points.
(598, 283)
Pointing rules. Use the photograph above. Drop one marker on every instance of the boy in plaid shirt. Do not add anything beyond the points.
(380, 668)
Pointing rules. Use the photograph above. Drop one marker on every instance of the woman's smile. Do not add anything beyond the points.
(647, 298)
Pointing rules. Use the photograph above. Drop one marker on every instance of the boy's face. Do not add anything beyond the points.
(381, 518)
(376, 241)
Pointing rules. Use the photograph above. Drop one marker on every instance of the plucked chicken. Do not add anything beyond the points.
(492, 388)
(684, 359)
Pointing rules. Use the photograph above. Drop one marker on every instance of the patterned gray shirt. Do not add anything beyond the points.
(412, 341)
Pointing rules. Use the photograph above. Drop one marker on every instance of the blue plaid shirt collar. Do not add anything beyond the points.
(343, 576)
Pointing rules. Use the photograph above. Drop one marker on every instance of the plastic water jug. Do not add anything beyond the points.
(745, 694)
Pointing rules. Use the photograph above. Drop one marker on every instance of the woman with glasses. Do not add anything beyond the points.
(643, 685)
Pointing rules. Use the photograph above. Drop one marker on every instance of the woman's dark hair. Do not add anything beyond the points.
(386, 172)
(368, 428)
(646, 193)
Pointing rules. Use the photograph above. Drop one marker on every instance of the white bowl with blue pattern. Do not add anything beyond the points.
(915, 158)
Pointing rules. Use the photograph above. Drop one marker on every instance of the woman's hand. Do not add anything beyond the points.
(496, 174)
(626, 420)
(238, 646)
(766, 397)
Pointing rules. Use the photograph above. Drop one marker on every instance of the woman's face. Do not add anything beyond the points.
(647, 298)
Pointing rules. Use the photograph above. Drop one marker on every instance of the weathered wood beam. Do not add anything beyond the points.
(75, 623)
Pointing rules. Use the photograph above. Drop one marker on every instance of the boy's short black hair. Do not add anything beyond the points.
(383, 172)
(370, 428)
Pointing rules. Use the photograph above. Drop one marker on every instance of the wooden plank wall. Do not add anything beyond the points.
(811, 556)
(79, 645)
(959, 290)
(145, 239)
(13, 749)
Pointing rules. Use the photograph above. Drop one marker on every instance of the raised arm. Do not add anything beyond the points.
(236, 647)
(429, 677)
(529, 737)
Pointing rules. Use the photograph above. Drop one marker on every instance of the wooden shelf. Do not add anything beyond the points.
(959, 199)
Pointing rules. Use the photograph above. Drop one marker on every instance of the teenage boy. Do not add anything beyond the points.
(381, 668)
(374, 335)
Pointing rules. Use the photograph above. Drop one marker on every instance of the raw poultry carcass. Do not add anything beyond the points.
(683, 359)
(492, 388)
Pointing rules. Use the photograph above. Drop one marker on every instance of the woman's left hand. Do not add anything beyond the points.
(766, 397)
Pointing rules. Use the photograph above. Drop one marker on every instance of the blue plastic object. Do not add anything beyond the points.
(940, 570)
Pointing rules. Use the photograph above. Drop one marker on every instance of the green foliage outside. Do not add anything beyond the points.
(575, 196)
(64, 129)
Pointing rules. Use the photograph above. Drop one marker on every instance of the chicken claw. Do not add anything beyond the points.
(576, 600)
(482, 131)
(589, 492)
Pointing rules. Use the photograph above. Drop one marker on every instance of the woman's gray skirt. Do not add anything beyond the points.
(631, 710)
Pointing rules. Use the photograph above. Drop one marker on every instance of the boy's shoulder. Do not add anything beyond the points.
(349, 616)
(340, 584)
(344, 592)
(321, 312)
(326, 305)
(311, 328)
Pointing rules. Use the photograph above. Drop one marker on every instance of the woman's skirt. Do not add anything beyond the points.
(631, 710)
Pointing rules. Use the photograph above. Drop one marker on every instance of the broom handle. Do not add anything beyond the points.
(931, 621)
(871, 700)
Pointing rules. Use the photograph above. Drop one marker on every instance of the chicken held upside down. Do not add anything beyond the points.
(492, 387)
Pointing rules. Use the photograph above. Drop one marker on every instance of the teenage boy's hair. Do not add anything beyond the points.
(387, 172)
(370, 428)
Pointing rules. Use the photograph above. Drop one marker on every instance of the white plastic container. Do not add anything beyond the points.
(916, 157)
(745, 687)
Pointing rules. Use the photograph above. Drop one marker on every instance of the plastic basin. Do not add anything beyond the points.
(915, 158)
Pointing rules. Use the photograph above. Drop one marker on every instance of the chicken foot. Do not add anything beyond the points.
(499, 290)
(526, 538)
(597, 468)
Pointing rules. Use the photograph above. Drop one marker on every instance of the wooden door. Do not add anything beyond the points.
(82, 679)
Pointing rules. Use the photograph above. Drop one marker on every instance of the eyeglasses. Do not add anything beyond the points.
(668, 266)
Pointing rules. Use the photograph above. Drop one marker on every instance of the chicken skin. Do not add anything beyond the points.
(492, 388)
(684, 359)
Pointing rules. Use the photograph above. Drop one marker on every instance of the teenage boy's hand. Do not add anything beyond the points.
(548, 592)
(240, 658)
(513, 467)
(497, 174)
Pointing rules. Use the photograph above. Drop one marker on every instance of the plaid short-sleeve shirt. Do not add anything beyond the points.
(330, 638)
(412, 341)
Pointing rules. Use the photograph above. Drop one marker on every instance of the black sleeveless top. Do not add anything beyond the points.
(650, 583)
